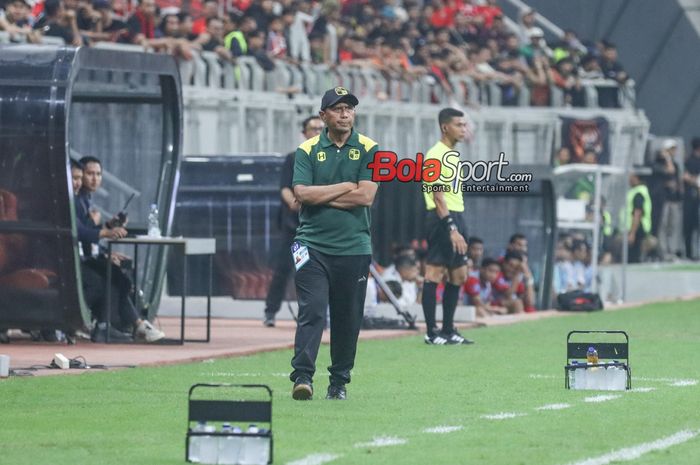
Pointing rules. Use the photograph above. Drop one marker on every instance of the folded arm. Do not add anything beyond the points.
(319, 195)
(363, 196)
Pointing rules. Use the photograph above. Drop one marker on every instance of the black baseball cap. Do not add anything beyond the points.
(337, 95)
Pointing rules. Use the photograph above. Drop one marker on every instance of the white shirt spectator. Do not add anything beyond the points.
(299, 47)
(409, 289)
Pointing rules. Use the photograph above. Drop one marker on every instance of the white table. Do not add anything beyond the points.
(187, 246)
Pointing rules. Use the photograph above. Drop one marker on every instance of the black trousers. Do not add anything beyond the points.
(338, 281)
(690, 224)
(94, 274)
(281, 275)
(634, 251)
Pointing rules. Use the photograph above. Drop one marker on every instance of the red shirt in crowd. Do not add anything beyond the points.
(501, 285)
(488, 12)
(475, 287)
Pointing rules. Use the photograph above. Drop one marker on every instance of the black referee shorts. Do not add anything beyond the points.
(440, 252)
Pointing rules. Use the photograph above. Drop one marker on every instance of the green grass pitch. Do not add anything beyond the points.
(400, 388)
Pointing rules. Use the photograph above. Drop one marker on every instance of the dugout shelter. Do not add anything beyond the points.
(59, 102)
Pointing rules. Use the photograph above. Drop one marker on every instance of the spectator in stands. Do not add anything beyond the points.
(590, 68)
(256, 49)
(476, 251)
(489, 11)
(61, 22)
(537, 46)
(90, 231)
(691, 199)
(212, 40)
(562, 157)
(87, 18)
(16, 20)
(666, 196)
(485, 72)
(612, 69)
(210, 9)
(141, 29)
(262, 12)
(539, 77)
(276, 42)
(299, 47)
(639, 211)
(527, 22)
(478, 288)
(169, 26)
(439, 70)
(498, 32)
(326, 30)
(186, 26)
(466, 31)
(569, 47)
(405, 272)
(443, 13)
(518, 72)
(237, 40)
(509, 289)
(288, 222)
(110, 27)
(564, 77)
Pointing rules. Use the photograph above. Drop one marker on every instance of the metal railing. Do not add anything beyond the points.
(207, 70)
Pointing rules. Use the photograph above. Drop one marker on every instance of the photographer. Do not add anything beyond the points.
(94, 264)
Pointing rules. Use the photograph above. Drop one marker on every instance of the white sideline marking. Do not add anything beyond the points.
(684, 382)
(443, 429)
(315, 459)
(670, 381)
(383, 441)
(502, 416)
(642, 389)
(554, 407)
(544, 376)
(226, 373)
(603, 398)
(634, 452)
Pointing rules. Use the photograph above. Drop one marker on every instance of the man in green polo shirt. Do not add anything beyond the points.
(447, 248)
(332, 249)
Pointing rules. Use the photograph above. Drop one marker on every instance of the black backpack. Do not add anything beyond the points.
(579, 301)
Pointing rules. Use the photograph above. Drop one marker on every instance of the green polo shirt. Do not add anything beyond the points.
(319, 162)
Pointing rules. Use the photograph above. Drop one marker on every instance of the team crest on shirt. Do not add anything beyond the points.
(321, 156)
(354, 154)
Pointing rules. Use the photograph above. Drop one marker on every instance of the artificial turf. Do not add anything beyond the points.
(400, 387)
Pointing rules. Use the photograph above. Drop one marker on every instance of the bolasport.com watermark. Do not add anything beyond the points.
(449, 173)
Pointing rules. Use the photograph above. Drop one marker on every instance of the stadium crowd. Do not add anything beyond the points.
(402, 39)
(496, 285)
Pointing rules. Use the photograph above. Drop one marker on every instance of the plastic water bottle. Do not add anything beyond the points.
(196, 442)
(229, 446)
(592, 356)
(256, 450)
(209, 446)
(153, 224)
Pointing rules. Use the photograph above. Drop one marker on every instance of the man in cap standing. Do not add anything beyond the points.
(332, 248)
